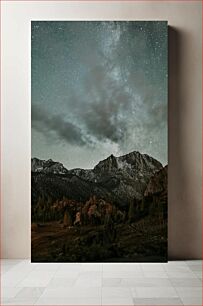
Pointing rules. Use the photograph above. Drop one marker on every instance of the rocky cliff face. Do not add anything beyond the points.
(157, 183)
(115, 179)
(47, 166)
(131, 163)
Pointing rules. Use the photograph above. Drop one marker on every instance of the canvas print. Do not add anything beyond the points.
(99, 141)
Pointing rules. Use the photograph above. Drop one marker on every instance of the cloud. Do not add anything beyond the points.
(51, 124)
(107, 79)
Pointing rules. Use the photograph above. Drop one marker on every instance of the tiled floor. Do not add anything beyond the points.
(174, 283)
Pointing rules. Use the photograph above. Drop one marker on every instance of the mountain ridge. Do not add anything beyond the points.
(46, 163)
(115, 179)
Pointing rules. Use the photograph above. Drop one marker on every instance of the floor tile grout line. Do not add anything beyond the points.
(102, 283)
(175, 288)
(16, 286)
(11, 268)
(128, 286)
(46, 287)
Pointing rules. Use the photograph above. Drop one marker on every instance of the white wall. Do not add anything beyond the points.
(184, 112)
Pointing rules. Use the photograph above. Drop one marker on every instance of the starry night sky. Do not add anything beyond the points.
(98, 88)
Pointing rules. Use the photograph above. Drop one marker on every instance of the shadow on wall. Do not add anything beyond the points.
(184, 232)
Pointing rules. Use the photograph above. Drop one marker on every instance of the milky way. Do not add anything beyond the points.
(98, 88)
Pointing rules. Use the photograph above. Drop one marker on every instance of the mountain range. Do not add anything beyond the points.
(115, 179)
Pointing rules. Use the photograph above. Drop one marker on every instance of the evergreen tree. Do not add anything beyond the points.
(66, 219)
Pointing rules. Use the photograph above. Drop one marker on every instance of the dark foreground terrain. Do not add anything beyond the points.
(116, 212)
(145, 240)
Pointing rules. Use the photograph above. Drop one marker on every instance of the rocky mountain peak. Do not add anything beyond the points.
(131, 162)
(47, 166)
(108, 164)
